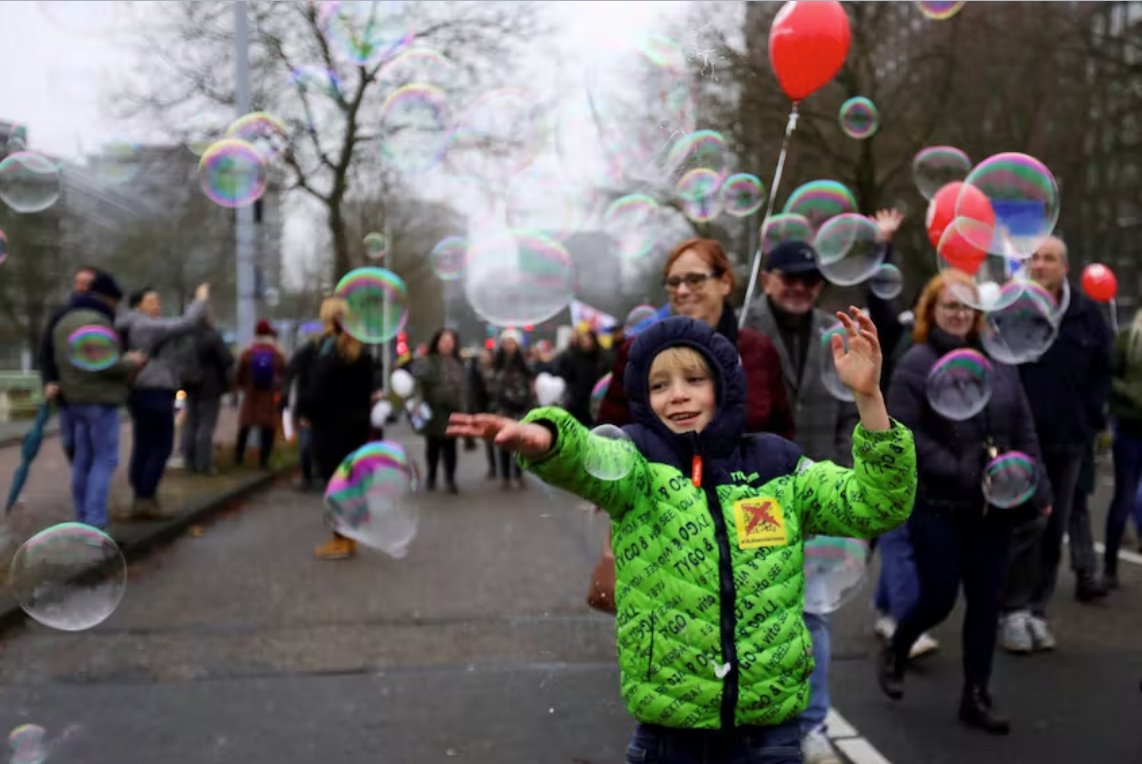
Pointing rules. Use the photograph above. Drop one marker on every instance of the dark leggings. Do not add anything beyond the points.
(490, 452)
(952, 549)
(434, 447)
(267, 444)
(509, 467)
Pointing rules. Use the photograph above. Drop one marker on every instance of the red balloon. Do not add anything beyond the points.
(963, 246)
(1099, 282)
(808, 44)
(942, 209)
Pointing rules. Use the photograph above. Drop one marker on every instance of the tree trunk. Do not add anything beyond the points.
(341, 262)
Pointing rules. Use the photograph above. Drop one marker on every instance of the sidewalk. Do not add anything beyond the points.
(186, 497)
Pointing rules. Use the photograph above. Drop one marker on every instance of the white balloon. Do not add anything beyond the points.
(380, 414)
(549, 390)
(403, 383)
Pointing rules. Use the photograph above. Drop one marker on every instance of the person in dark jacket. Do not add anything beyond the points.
(338, 399)
(581, 366)
(1126, 409)
(261, 368)
(481, 385)
(204, 398)
(298, 372)
(1067, 387)
(444, 387)
(49, 370)
(958, 539)
(511, 395)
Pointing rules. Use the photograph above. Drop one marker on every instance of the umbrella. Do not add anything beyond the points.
(28, 451)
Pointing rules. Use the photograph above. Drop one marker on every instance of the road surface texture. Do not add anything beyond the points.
(236, 645)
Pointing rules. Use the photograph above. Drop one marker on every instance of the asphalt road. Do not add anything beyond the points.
(238, 646)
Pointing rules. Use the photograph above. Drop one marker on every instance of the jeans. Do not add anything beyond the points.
(951, 549)
(96, 440)
(66, 433)
(198, 432)
(813, 717)
(1037, 545)
(897, 588)
(436, 446)
(652, 744)
(1127, 475)
(509, 467)
(152, 412)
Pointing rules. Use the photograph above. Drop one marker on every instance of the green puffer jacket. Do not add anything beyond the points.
(710, 581)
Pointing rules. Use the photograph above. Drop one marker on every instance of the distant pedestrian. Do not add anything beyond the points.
(204, 397)
(444, 387)
(512, 396)
(298, 373)
(1126, 410)
(260, 372)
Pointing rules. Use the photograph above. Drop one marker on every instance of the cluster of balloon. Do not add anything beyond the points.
(1099, 282)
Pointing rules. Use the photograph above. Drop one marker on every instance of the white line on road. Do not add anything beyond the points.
(848, 740)
(1123, 554)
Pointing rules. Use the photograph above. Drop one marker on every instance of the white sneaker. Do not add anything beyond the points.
(1041, 636)
(924, 645)
(816, 749)
(884, 627)
(1016, 633)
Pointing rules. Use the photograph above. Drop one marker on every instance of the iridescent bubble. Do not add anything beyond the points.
(376, 245)
(859, 118)
(959, 384)
(419, 65)
(29, 182)
(829, 376)
(448, 257)
(742, 195)
(416, 119)
(778, 229)
(1010, 479)
(598, 392)
(1025, 197)
(69, 577)
(118, 163)
(3, 247)
(517, 277)
(367, 32)
(698, 191)
(370, 498)
(700, 150)
(1024, 328)
(265, 132)
(819, 200)
(377, 304)
(28, 744)
(886, 282)
(937, 166)
(632, 221)
(316, 79)
(541, 198)
(835, 568)
(848, 249)
(940, 10)
(499, 134)
(232, 173)
(637, 315)
(93, 348)
(963, 248)
(610, 453)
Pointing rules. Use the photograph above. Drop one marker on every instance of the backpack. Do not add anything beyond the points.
(263, 367)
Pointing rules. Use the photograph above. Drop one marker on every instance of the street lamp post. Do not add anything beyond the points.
(244, 220)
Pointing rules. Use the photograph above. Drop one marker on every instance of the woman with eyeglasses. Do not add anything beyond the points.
(957, 537)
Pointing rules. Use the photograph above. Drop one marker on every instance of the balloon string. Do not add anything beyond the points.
(790, 126)
(1114, 315)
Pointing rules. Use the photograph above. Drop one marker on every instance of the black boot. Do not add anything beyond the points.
(890, 673)
(976, 711)
(1088, 587)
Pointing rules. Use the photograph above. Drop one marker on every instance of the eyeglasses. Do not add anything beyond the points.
(954, 307)
(691, 280)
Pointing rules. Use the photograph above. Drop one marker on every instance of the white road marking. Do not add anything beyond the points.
(1123, 554)
(846, 737)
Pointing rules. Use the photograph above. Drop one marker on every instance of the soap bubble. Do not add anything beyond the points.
(829, 376)
(1025, 197)
(28, 745)
(702, 149)
(637, 315)
(370, 498)
(632, 221)
(417, 124)
(859, 118)
(698, 190)
(263, 131)
(517, 277)
(887, 282)
(232, 173)
(1024, 328)
(820, 200)
(598, 392)
(940, 10)
(610, 453)
(959, 384)
(499, 134)
(848, 249)
(376, 245)
(376, 299)
(366, 32)
(540, 198)
(742, 195)
(93, 348)
(3, 247)
(779, 229)
(1010, 479)
(70, 576)
(937, 166)
(420, 65)
(835, 568)
(29, 182)
(316, 79)
(448, 257)
(963, 247)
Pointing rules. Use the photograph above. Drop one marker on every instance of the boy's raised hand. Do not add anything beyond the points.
(531, 440)
(859, 367)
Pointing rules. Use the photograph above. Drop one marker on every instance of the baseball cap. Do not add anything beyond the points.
(793, 257)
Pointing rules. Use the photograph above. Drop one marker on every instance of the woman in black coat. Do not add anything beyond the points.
(958, 538)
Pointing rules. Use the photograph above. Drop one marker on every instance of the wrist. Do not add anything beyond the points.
(872, 410)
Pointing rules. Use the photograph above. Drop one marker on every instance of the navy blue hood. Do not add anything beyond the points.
(725, 429)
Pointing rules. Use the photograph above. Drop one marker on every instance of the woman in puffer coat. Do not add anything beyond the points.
(957, 537)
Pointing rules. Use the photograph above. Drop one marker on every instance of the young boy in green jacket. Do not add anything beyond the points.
(708, 526)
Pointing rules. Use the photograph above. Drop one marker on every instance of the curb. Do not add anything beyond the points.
(140, 539)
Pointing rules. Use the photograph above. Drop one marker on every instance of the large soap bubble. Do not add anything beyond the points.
(1025, 197)
(517, 277)
(1010, 479)
(779, 229)
(959, 384)
(937, 166)
(610, 453)
(377, 304)
(369, 499)
(1024, 328)
(848, 249)
(819, 200)
(232, 173)
(835, 568)
(29, 182)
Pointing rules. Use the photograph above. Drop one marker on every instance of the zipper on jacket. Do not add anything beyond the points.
(726, 592)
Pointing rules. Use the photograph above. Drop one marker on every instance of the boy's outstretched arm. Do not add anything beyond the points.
(561, 452)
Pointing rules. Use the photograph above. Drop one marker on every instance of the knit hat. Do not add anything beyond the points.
(510, 334)
(263, 329)
(105, 285)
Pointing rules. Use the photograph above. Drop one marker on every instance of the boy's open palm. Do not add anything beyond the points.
(531, 440)
(859, 367)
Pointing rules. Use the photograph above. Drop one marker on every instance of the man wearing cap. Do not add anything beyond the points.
(93, 399)
(153, 391)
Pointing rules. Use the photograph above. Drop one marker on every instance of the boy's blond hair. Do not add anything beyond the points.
(683, 359)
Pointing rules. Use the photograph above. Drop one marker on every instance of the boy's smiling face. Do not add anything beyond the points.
(682, 390)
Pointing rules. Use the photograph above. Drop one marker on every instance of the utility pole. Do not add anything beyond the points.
(246, 310)
(386, 356)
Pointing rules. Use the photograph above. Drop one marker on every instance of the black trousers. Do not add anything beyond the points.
(266, 445)
(953, 548)
(509, 467)
(436, 446)
(490, 452)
